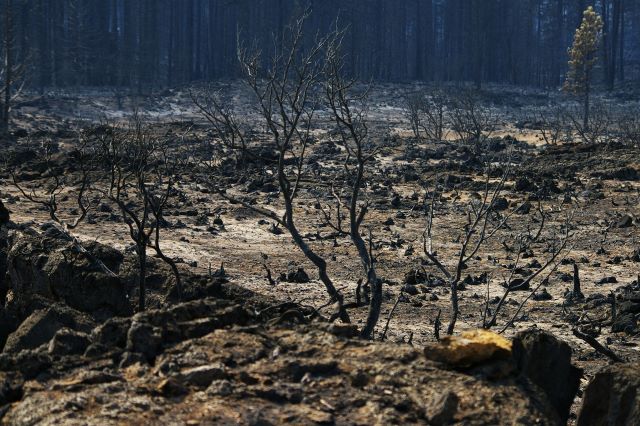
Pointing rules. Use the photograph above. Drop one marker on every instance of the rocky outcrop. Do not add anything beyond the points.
(4, 248)
(546, 362)
(206, 358)
(42, 325)
(296, 375)
(4, 214)
(612, 397)
(52, 267)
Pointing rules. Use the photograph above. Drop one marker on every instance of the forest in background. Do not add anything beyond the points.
(149, 44)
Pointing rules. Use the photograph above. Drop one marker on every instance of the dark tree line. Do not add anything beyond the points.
(145, 44)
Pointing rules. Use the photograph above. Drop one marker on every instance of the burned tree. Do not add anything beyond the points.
(141, 171)
(11, 70)
(285, 95)
(60, 184)
(77, 184)
(471, 121)
(349, 113)
(428, 116)
(485, 219)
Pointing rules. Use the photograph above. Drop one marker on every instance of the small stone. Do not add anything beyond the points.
(203, 376)
(542, 295)
(626, 323)
(68, 342)
(143, 339)
(220, 388)
(410, 289)
(441, 410)
(171, 388)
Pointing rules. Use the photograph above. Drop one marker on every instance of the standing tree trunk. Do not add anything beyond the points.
(142, 279)
(8, 66)
(587, 93)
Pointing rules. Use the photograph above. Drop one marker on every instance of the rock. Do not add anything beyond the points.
(626, 221)
(622, 173)
(296, 275)
(4, 286)
(293, 376)
(11, 390)
(629, 306)
(4, 214)
(203, 376)
(524, 184)
(411, 290)
(132, 358)
(68, 342)
(53, 268)
(612, 397)
(343, 330)
(519, 284)
(395, 201)
(42, 325)
(144, 339)
(500, 204)
(441, 410)
(625, 323)
(112, 333)
(470, 348)
(8, 325)
(220, 388)
(172, 388)
(546, 361)
(415, 276)
(105, 208)
(607, 280)
(542, 295)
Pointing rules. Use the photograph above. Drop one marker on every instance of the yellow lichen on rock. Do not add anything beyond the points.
(469, 348)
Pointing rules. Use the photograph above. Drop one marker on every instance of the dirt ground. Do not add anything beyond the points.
(602, 240)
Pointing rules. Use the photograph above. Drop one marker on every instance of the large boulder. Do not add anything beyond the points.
(53, 267)
(4, 248)
(546, 361)
(43, 324)
(612, 397)
(8, 324)
(4, 214)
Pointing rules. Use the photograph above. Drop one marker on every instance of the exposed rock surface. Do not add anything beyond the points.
(53, 268)
(256, 375)
(546, 361)
(41, 326)
(206, 358)
(4, 214)
(612, 397)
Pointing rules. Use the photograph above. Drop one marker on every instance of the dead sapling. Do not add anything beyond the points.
(482, 223)
(553, 125)
(391, 312)
(349, 113)
(598, 128)
(141, 177)
(559, 250)
(228, 129)
(60, 187)
(471, 122)
(428, 117)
